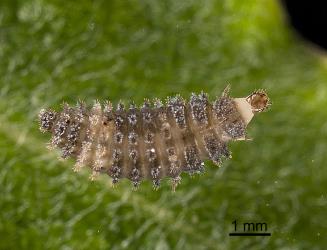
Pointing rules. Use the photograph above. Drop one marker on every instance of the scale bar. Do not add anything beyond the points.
(249, 234)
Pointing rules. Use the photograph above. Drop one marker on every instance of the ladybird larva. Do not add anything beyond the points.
(155, 140)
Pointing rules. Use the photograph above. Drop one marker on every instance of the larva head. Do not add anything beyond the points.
(258, 100)
(46, 119)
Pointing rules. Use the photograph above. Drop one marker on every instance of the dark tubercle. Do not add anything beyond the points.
(228, 117)
(152, 152)
(177, 123)
(208, 137)
(135, 161)
(65, 127)
(65, 132)
(47, 119)
(119, 137)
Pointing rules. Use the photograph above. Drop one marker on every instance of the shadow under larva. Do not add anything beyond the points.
(154, 141)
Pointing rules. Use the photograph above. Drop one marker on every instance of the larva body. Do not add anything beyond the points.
(153, 141)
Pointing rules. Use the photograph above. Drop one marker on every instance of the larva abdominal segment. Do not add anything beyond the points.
(154, 141)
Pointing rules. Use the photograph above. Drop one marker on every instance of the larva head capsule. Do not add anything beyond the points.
(258, 100)
(254, 103)
(46, 119)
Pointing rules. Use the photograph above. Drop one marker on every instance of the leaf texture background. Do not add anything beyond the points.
(55, 51)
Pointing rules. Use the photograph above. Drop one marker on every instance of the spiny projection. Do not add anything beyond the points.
(154, 141)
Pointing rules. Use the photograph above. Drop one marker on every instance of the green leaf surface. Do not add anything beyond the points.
(53, 51)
